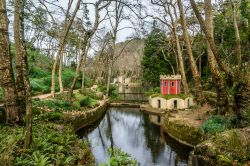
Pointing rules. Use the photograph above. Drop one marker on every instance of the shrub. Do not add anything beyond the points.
(54, 104)
(153, 91)
(215, 124)
(113, 91)
(54, 116)
(85, 102)
(36, 72)
(119, 157)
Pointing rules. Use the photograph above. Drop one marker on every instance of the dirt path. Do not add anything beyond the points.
(43, 96)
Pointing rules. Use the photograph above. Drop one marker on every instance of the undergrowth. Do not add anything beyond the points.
(119, 157)
(53, 142)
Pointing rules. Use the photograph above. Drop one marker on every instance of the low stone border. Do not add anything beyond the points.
(130, 105)
(152, 111)
(182, 133)
(82, 119)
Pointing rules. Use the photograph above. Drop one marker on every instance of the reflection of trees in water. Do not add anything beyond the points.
(152, 137)
(110, 131)
(130, 123)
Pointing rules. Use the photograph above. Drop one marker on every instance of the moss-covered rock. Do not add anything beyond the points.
(231, 147)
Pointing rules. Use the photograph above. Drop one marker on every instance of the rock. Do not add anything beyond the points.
(94, 88)
(99, 94)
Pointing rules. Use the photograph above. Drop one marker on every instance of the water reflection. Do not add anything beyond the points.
(132, 131)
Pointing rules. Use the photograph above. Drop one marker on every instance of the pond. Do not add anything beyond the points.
(131, 131)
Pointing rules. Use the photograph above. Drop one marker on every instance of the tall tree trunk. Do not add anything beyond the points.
(67, 25)
(6, 73)
(19, 53)
(222, 100)
(195, 72)
(237, 35)
(83, 78)
(178, 47)
(210, 39)
(85, 48)
(60, 74)
(28, 88)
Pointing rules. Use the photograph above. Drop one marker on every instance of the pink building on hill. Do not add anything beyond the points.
(170, 84)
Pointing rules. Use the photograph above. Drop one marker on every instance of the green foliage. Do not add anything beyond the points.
(36, 72)
(182, 96)
(54, 116)
(153, 91)
(51, 146)
(119, 157)
(53, 104)
(85, 102)
(153, 62)
(215, 124)
(113, 92)
(232, 146)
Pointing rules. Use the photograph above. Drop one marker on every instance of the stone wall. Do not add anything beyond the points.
(182, 132)
(87, 118)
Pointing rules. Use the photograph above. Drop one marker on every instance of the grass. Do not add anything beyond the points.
(182, 96)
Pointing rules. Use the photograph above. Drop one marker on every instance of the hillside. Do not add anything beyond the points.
(129, 61)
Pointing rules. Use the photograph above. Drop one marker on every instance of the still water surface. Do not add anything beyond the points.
(131, 131)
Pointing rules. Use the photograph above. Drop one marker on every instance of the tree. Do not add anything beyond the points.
(67, 25)
(22, 60)
(195, 73)
(222, 99)
(7, 77)
(87, 36)
(153, 62)
(170, 15)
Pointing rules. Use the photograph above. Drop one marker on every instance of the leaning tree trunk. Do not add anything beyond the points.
(222, 99)
(60, 74)
(67, 25)
(81, 61)
(6, 73)
(195, 72)
(19, 52)
(179, 52)
(180, 59)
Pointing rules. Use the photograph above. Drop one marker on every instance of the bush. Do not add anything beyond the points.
(36, 72)
(113, 91)
(119, 157)
(153, 91)
(54, 116)
(85, 102)
(53, 104)
(215, 124)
